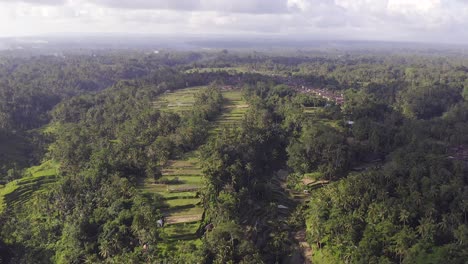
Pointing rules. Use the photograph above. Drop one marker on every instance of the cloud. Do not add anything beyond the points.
(227, 6)
(36, 2)
(428, 20)
(184, 5)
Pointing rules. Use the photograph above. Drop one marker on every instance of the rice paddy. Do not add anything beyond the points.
(182, 179)
(36, 179)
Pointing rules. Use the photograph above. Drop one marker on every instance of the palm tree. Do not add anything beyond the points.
(426, 227)
(444, 223)
(105, 250)
(403, 241)
(404, 216)
(460, 233)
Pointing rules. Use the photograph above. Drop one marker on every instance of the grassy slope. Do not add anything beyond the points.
(36, 179)
(182, 205)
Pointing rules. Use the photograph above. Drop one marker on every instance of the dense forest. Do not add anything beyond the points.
(234, 157)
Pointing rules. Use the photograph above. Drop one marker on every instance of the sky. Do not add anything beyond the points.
(388, 20)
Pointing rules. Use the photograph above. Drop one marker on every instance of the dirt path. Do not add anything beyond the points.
(183, 219)
(314, 182)
(306, 250)
(237, 106)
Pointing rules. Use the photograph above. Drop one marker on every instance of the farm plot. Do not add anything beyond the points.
(181, 100)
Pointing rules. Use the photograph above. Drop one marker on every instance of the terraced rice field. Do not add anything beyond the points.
(181, 100)
(182, 178)
(234, 110)
(20, 191)
(311, 110)
(181, 181)
(313, 113)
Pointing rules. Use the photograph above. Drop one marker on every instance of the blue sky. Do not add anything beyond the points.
(400, 20)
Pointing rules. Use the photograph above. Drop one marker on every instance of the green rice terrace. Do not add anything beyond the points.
(178, 101)
(36, 180)
(182, 178)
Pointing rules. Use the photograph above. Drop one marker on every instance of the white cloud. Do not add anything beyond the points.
(301, 5)
(429, 20)
(231, 6)
(413, 7)
(37, 2)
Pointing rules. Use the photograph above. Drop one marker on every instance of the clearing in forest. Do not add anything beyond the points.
(182, 179)
(180, 100)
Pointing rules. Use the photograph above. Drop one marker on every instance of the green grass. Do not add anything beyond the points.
(189, 180)
(183, 231)
(180, 195)
(152, 188)
(184, 211)
(182, 171)
(36, 179)
(182, 202)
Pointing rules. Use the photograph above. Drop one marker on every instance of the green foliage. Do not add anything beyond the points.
(429, 102)
(226, 244)
(360, 104)
(387, 215)
(239, 165)
(465, 92)
(319, 147)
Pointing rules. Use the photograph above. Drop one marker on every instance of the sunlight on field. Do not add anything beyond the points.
(35, 180)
